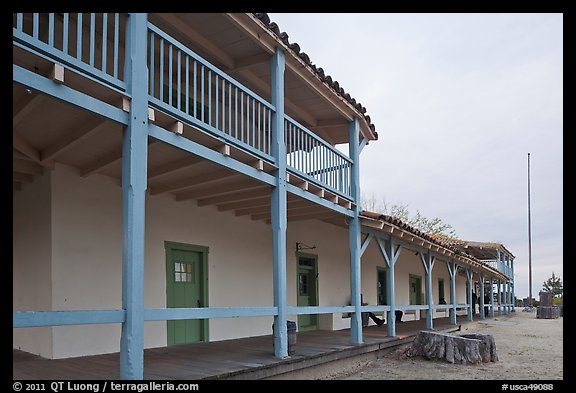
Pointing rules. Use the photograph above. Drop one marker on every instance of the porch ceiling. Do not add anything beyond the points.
(47, 131)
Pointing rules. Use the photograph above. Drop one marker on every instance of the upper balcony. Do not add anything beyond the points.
(500, 266)
(209, 78)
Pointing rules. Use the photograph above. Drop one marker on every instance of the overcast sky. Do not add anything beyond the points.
(458, 101)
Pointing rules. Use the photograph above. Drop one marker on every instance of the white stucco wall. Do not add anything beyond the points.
(31, 259)
(86, 254)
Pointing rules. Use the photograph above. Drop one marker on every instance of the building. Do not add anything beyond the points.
(176, 172)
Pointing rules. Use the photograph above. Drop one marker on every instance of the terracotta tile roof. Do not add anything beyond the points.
(473, 250)
(333, 84)
(400, 224)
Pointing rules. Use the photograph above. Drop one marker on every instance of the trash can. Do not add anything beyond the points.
(291, 326)
(399, 314)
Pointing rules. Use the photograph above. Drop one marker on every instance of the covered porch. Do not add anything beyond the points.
(244, 358)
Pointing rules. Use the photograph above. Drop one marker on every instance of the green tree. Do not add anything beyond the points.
(554, 285)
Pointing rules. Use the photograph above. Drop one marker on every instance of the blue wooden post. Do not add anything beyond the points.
(481, 300)
(134, 161)
(354, 233)
(469, 278)
(499, 298)
(452, 270)
(491, 298)
(509, 285)
(279, 219)
(390, 255)
(428, 262)
(513, 285)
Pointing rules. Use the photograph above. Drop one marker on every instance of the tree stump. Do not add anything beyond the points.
(453, 348)
(487, 346)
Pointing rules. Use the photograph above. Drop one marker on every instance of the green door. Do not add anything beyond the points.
(415, 283)
(381, 287)
(307, 290)
(185, 288)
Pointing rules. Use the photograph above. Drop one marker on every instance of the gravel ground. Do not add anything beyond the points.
(527, 348)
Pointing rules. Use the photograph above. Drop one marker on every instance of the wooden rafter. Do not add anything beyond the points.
(24, 147)
(237, 193)
(215, 190)
(199, 39)
(203, 178)
(25, 166)
(30, 104)
(171, 167)
(105, 161)
(77, 134)
(303, 210)
(22, 177)
(256, 202)
(266, 208)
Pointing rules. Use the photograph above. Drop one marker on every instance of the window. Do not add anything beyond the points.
(306, 261)
(182, 272)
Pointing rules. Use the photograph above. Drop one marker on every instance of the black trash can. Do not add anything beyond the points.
(291, 327)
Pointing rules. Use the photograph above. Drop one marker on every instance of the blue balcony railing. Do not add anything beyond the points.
(500, 266)
(315, 160)
(91, 43)
(184, 85)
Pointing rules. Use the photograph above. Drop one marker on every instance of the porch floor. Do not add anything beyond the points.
(244, 358)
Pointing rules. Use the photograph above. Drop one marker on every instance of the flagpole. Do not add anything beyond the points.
(529, 241)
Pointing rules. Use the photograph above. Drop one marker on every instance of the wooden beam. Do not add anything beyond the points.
(57, 73)
(329, 123)
(249, 62)
(265, 41)
(22, 177)
(192, 34)
(24, 147)
(256, 202)
(237, 193)
(302, 184)
(105, 161)
(206, 177)
(345, 203)
(319, 216)
(224, 149)
(25, 166)
(331, 197)
(125, 104)
(174, 166)
(266, 208)
(32, 103)
(319, 192)
(262, 88)
(102, 162)
(258, 164)
(177, 128)
(304, 217)
(305, 210)
(373, 223)
(79, 133)
(217, 190)
(17, 154)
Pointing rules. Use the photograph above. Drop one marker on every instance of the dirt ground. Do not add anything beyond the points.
(527, 348)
